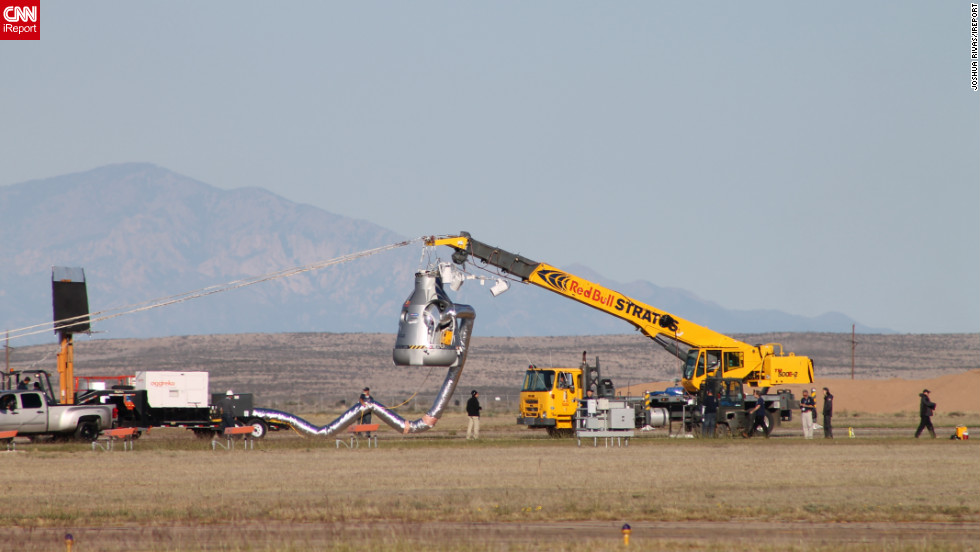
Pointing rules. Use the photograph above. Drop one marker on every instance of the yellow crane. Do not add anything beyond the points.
(708, 353)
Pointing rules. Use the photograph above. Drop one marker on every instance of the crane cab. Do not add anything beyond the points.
(767, 365)
(702, 363)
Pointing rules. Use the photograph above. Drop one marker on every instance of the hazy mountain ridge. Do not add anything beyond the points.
(142, 232)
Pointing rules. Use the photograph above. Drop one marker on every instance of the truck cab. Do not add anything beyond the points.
(551, 396)
(30, 413)
(25, 412)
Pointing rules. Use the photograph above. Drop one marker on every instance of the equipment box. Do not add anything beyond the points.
(241, 403)
(174, 389)
(621, 418)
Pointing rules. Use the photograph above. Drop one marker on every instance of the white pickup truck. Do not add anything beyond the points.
(30, 413)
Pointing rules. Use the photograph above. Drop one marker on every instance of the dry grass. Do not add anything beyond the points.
(438, 481)
(177, 494)
(513, 491)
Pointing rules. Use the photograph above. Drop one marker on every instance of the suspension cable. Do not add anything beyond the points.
(203, 292)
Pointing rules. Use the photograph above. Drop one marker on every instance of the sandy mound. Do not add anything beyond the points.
(952, 393)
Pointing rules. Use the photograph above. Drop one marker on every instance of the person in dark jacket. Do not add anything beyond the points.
(828, 414)
(365, 417)
(226, 408)
(926, 408)
(473, 409)
(710, 414)
(758, 414)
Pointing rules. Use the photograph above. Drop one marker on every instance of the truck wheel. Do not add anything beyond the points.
(87, 431)
(259, 428)
(723, 430)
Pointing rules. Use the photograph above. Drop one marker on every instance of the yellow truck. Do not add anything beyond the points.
(550, 397)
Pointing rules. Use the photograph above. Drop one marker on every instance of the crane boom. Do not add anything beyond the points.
(710, 353)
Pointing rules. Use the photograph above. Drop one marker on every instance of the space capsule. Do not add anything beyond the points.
(432, 331)
(429, 328)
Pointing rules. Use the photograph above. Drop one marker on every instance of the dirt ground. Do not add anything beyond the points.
(951, 393)
(597, 535)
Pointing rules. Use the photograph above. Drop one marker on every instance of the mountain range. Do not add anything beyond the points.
(142, 232)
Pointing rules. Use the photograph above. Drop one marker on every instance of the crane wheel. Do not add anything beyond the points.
(770, 423)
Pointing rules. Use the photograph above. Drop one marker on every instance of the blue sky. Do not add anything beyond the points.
(793, 156)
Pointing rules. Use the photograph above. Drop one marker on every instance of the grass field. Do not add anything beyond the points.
(512, 490)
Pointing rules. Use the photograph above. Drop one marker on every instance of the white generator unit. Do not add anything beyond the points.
(606, 419)
(174, 389)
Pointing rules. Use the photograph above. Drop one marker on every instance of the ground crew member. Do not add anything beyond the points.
(473, 409)
(226, 408)
(365, 414)
(758, 414)
(828, 413)
(926, 408)
(807, 409)
(710, 416)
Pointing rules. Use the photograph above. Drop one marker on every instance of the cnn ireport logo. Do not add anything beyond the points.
(21, 20)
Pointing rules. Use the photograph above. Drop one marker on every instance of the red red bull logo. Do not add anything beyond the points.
(602, 298)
